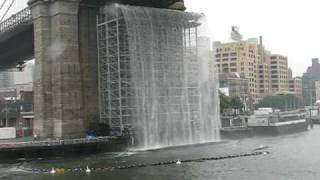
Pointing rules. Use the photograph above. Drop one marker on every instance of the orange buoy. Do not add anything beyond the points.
(60, 170)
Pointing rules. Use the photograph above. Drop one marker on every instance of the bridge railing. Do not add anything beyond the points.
(22, 17)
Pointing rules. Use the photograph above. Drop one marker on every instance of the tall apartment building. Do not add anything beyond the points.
(251, 60)
(267, 73)
(6, 79)
(314, 70)
(279, 73)
(311, 83)
(317, 90)
(264, 73)
(241, 57)
(290, 74)
(295, 86)
(308, 89)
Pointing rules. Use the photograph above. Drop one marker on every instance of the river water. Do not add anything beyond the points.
(293, 156)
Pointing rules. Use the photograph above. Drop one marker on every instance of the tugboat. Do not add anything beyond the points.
(266, 121)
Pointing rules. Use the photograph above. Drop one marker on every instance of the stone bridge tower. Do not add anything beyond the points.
(65, 84)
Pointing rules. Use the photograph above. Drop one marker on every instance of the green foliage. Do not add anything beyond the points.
(282, 102)
(229, 102)
(224, 102)
(236, 103)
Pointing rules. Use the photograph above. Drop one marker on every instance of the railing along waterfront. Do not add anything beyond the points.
(13, 145)
(21, 18)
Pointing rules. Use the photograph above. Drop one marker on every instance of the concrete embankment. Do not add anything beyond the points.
(45, 148)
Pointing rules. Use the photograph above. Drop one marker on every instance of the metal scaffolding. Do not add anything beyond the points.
(114, 80)
(150, 76)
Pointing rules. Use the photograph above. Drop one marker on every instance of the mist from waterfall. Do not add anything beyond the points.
(168, 95)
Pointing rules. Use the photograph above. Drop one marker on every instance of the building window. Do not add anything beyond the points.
(226, 70)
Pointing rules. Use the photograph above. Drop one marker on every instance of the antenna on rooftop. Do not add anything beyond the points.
(235, 34)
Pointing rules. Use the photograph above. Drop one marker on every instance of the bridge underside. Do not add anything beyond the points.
(16, 46)
(148, 3)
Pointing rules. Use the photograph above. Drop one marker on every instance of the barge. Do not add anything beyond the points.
(67, 147)
(266, 121)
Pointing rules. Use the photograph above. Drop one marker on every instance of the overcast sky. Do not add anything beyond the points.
(291, 28)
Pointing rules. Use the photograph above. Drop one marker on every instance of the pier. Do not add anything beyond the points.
(60, 147)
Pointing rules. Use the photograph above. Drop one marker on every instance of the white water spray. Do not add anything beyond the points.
(154, 76)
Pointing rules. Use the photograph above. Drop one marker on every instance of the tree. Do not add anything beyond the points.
(236, 102)
(224, 101)
(229, 102)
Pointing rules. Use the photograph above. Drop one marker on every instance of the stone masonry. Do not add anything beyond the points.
(57, 83)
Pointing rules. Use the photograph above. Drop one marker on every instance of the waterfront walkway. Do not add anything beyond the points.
(23, 143)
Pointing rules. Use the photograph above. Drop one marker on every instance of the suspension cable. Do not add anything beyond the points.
(2, 5)
(8, 9)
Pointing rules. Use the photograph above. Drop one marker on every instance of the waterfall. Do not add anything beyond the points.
(155, 78)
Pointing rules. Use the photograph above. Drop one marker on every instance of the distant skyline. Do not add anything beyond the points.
(289, 28)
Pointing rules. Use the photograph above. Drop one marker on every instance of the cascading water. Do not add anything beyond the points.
(154, 76)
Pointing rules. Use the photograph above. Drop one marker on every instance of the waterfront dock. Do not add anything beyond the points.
(25, 149)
